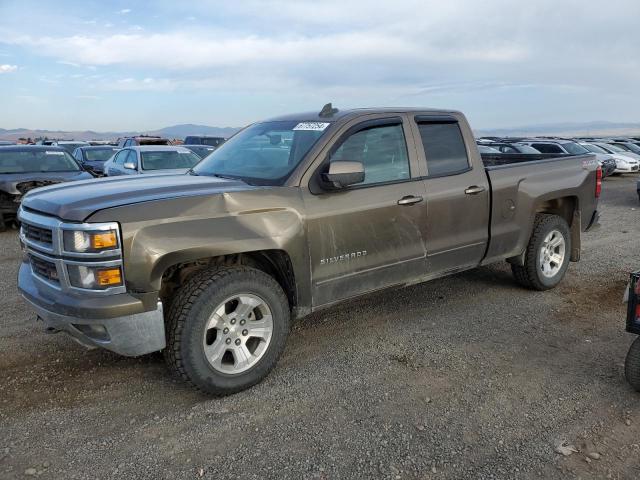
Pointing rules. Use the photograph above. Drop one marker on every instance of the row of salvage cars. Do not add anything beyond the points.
(25, 167)
(615, 155)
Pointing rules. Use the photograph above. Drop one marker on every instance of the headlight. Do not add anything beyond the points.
(86, 241)
(94, 278)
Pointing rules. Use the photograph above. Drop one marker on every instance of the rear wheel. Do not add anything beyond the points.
(632, 365)
(547, 254)
(226, 329)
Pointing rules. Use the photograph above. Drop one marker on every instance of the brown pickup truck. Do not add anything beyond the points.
(287, 217)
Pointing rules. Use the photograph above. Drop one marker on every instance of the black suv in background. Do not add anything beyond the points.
(142, 140)
(204, 140)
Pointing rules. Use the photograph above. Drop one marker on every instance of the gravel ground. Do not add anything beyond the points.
(464, 377)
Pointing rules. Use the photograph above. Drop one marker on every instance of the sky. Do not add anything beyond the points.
(142, 65)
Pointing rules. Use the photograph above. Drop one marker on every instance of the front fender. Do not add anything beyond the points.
(159, 234)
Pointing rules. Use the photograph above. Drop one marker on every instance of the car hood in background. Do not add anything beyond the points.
(9, 182)
(76, 202)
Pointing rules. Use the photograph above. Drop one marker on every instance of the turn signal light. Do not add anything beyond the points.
(111, 276)
(598, 181)
(104, 240)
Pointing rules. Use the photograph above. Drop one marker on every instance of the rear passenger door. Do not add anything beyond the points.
(457, 194)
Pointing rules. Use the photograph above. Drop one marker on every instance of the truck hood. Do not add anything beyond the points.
(77, 201)
(21, 183)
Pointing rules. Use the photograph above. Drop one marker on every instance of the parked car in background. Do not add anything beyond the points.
(93, 157)
(204, 140)
(626, 146)
(557, 146)
(200, 150)
(507, 147)
(6, 142)
(150, 159)
(25, 167)
(142, 140)
(607, 160)
(626, 162)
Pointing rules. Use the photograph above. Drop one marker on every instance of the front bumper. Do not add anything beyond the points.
(90, 320)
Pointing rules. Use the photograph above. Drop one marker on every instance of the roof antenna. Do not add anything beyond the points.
(328, 110)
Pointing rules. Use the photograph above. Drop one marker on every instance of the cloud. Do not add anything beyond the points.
(124, 11)
(8, 68)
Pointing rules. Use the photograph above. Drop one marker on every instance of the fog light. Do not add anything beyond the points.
(94, 278)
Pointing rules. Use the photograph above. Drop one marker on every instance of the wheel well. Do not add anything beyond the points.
(273, 262)
(564, 207)
(567, 208)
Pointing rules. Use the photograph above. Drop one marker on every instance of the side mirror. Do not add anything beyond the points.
(342, 174)
(130, 166)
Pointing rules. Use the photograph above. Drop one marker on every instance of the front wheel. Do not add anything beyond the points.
(632, 365)
(547, 254)
(226, 329)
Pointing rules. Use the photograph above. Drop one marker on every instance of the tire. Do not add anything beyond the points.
(189, 329)
(531, 275)
(632, 365)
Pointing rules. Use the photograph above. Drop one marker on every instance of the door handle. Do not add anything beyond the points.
(409, 200)
(474, 190)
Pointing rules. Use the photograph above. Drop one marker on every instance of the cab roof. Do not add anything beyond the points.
(355, 112)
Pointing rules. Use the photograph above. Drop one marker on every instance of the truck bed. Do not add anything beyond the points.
(520, 187)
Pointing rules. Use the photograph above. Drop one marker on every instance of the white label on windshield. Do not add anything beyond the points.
(49, 152)
(312, 126)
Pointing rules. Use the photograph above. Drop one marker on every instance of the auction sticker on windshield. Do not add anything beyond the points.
(313, 126)
(49, 152)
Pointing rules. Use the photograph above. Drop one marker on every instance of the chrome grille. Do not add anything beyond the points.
(37, 234)
(44, 268)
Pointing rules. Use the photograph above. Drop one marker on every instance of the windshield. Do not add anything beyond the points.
(264, 153)
(611, 148)
(32, 161)
(485, 149)
(629, 147)
(167, 160)
(99, 154)
(575, 149)
(527, 149)
(594, 148)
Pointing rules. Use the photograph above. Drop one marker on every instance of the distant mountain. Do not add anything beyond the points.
(568, 129)
(175, 131)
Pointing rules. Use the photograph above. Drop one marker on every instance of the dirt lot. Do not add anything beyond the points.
(464, 377)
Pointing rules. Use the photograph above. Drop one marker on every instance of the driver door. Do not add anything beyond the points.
(368, 236)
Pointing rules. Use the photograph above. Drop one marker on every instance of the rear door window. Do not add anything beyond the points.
(444, 148)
